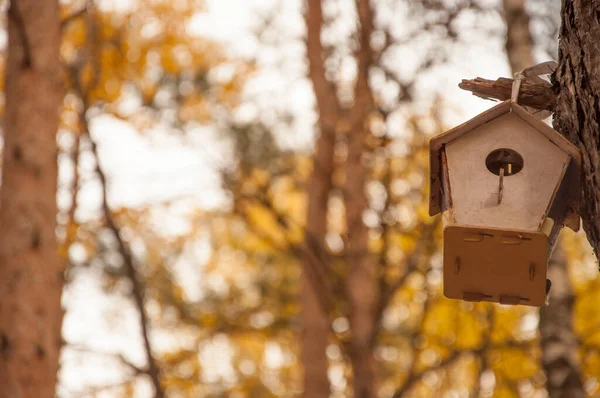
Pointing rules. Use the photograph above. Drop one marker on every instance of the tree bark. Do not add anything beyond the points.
(558, 341)
(362, 282)
(577, 112)
(315, 320)
(31, 275)
(530, 94)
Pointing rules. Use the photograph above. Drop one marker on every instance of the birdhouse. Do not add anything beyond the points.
(505, 183)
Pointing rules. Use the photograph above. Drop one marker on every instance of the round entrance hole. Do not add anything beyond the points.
(508, 159)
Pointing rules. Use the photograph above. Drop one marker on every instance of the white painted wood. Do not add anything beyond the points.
(525, 195)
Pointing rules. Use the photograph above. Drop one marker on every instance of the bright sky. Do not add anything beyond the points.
(152, 168)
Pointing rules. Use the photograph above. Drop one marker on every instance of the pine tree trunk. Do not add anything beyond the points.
(314, 340)
(315, 320)
(31, 275)
(362, 286)
(362, 273)
(558, 341)
(577, 112)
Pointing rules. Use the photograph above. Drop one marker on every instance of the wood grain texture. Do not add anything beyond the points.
(489, 264)
(537, 96)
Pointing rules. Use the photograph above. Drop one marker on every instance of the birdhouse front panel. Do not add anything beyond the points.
(503, 174)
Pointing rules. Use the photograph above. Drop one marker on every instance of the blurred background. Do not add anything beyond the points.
(243, 204)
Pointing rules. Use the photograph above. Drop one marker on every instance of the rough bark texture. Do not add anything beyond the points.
(362, 282)
(577, 112)
(519, 43)
(558, 341)
(315, 320)
(31, 275)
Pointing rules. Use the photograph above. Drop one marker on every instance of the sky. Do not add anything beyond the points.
(156, 167)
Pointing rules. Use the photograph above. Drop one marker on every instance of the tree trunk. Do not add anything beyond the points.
(577, 113)
(315, 320)
(314, 342)
(31, 275)
(558, 341)
(362, 283)
(519, 42)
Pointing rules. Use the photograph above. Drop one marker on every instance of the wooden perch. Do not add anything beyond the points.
(539, 96)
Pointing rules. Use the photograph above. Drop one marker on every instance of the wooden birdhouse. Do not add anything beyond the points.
(505, 183)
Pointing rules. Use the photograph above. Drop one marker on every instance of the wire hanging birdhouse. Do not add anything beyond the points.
(505, 183)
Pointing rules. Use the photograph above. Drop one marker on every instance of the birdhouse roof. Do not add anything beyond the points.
(437, 144)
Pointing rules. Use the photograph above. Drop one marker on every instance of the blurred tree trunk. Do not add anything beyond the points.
(314, 342)
(315, 320)
(519, 42)
(362, 282)
(31, 275)
(558, 341)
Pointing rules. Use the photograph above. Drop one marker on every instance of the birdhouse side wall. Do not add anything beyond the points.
(446, 192)
(565, 207)
(562, 204)
(526, 194)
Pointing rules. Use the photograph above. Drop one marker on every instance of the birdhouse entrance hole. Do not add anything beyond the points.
(504, 159)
